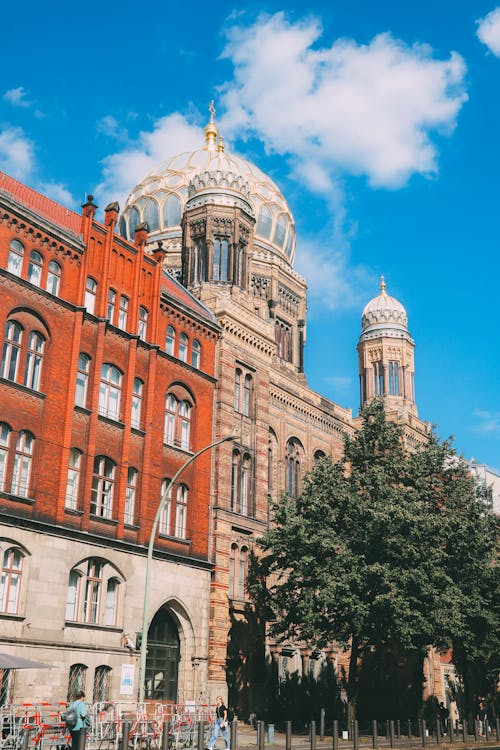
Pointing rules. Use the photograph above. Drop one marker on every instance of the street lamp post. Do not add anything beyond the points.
(144, 640)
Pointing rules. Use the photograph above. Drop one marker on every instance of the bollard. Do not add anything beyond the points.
(424, 732)
(355, 735)
(125, 734)
(438, 731)
(464, 730)
(335, 734)
(497, 727)
(487, 729)
(451, 733)
(164, 737)
(260, 735)
(312, 735)
(26, 739)
(288, 737)
(374, 734)
(476, 730)
(270, 734)
(201, 736)
(398, 729)
(409, 728)
(391, 733)
(322, 724)
(387, 733)
(234, 734)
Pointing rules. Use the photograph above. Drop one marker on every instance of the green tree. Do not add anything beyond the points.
(366, 556)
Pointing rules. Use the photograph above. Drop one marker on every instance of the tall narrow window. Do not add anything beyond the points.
(34, 360)
(35, 267)
(110, 310)
(102, 684)
(110, 391)
(93, 585)
(378, 379)
(293, 457)
(103, 485)
(72, 596)
(235, 470)
(165, 518)
(130, 495)
(170, 341)
(110, 606)
(221, 260)
(245, 484)
(90, 294)
(10, 583)
(170, 415)
(73, 479)
(16, 253)
(142, 329)
(181, 511)
(195, 354)
(242, 572)
(82, 380)
(185, 424)
(4, 452)
(232, 570)
(137, 403)
(123, 313)
(237, 387)
(76, 681)
(247, 390)
(183, 347)
(53, 278)
(11, 349)
(22, 464)
(394, 378)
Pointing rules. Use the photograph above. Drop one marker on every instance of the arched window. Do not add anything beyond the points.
(4, 452)
(35, 267)
(90, 294)
(242, 573)
(293, 461)
(150, 214)
(123, 312)
(166, 516)
(82, 380)
(181, 511)
(22, 464)
(137, 403)
(111, 604)
(183, 347)
(170, 341)
(76, 681)
(238, 572)
(199, 261)
(283, 335)
(394, 378)
(196, 354)
(237, 387)
(130, 495)
(103, 487)
(72, 596)
(241, 473)
(221, 259)
(34, 356)
(110, 391)
(16, 254)
(170, 416)
(93, 586)
(245, 484)
(232, 569)
(272, 455)
(185, 424)
(10, 583)
(92, 595)
(235, 469)
(378, 379)
(172, 211)
(162, 663)
(11, 349)
(247, 392)
(122, 227)
(133, 221)
(73, 479)
(318, 456)
(102, 684)
(290, 242)
(142, 329)
(177, 426)
(264, 223)
(53, 278)
(110, 310)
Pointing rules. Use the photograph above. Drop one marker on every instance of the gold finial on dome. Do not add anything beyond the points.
(382, 285)
(220, 145)
(210, 129)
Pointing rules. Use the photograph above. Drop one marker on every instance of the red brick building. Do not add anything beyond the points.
(106, 389)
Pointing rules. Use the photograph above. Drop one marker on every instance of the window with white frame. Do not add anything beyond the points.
(34, 357)
(166, 515)
(35, 267)
(111, 603)
(110, 391)
(82, 380)
(137, 403)
(4, 452)
(93, 593)
(110, 309)
(73, 478)
(53, 278)
(177, 425)
(142, 328)
(130, 495)
(170, 341)
(183, 347)
(23, 457)
(10, 582)
(103, 487)
(16, 254)
(181, 511)
(196, 354)
(123, 312)
(11, 350)
(90, 294)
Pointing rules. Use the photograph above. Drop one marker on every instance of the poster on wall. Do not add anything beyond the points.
(127, 679)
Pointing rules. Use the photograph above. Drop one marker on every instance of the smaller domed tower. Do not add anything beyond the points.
(385, 354)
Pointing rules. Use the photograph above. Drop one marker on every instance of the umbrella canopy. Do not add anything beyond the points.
(7, 661)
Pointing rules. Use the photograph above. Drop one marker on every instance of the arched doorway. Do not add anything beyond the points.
(162, 662)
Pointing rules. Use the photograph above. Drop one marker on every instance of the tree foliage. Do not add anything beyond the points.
(382, 548)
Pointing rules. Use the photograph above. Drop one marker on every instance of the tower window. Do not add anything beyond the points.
(378, 379)
(221, 260)
(394, 378)
(283, 335)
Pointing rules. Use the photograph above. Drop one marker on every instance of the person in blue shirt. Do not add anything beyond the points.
(82, 723)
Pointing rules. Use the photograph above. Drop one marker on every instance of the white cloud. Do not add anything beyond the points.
(59, 193)
(110, 127)
(349, 108)
(340, 382)
(489, 31)
(17, 97)
(122, 170)
(489, 421)
(17, 153)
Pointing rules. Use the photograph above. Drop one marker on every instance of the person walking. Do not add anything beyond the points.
(220, 725)
(82, 720)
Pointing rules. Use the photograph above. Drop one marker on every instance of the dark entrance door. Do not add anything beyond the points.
(162, 662)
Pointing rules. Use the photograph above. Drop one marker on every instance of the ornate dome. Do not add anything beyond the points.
(161, 196)
(384, 315)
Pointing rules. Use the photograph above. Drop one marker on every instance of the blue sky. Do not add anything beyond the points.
(379, 121)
